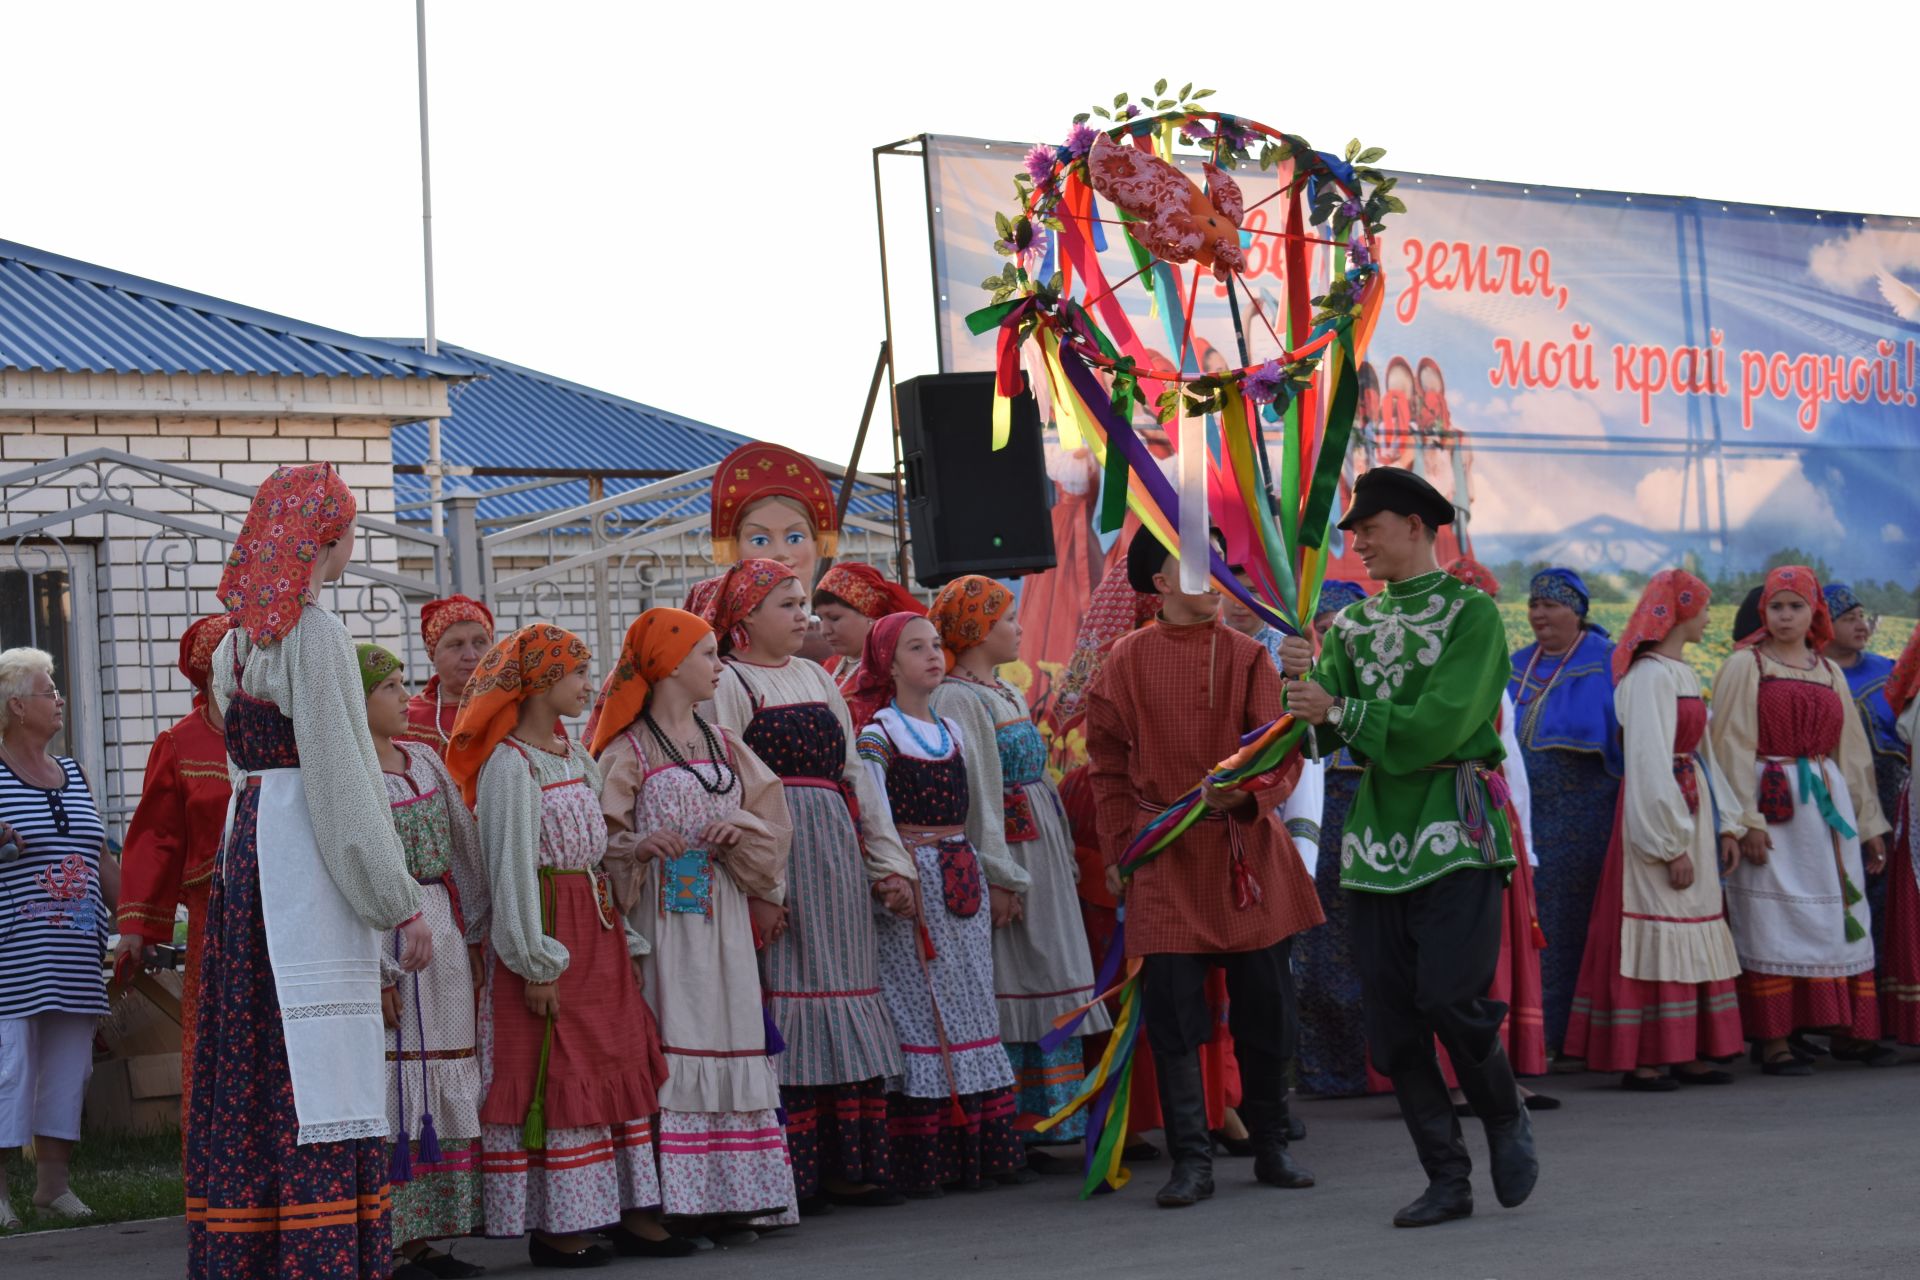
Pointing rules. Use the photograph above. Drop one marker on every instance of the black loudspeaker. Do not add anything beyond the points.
(971, 509)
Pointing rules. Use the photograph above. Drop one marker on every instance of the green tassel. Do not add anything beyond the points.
(1849, 893)
(533, 1134)
(1855, 931)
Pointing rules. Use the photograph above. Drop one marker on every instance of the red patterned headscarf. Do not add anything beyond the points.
(873, 689)
(657, 643)
(1798, 579)
(865, 588)
(436, 616)
(1905, 680)
(965, 610)
(1475, 574)
(197, 644)
(531, 660)
(268, 580)
(738, 593)
(1671, 597)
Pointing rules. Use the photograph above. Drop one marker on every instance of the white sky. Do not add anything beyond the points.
(674, 202)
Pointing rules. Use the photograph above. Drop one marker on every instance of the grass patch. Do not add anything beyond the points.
(122, 1177)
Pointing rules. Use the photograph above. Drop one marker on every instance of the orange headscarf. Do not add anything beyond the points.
(865, 588)
(197, 644)
(657, 643)
(1671, 596)
(965, 610)
(531, 660)
(268, 580)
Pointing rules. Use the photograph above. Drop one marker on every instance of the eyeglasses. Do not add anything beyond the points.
(46, 693)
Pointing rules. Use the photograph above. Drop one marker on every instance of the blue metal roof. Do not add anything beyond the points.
(60, 315)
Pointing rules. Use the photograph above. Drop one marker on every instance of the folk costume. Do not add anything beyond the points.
(1798, 763)
(1570, 745)
(173, 838)
(1867, 681)
(433, 1067)
(286, 1172)
(1656, 984)
(566, 1125)
(821, 978)
(1041, 965)
(723, 1150)
(951, 1113)
(863, 588)
(1417, 672)
(1169, 704)
(430, 714)
(1899, 974)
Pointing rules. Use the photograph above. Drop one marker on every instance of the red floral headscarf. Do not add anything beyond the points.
(866, 589)
(965, 610)
(738, 593)
(437, 616)
(1671, 597)
(873, 689)
(1475, 574)
(197, 644)
(268, 580)
(1905, 680)
(1798, 579)
(657, 643)
(531, 660)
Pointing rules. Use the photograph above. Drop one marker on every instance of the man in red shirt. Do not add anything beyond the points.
(1171, 702)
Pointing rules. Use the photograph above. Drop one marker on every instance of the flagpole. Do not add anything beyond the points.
(426, 236)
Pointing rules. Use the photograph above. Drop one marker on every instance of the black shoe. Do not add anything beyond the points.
(871, 1198)
(1189, 1185)
(1441, 1202)
(1806, 1048)
(1511, 1159)
(1791, 1065)
(1296, 1127)
(631, 1244)
(407, 1269)
(542, 1254)
(1710, 1076)
(1648, 1084)
(1275, 1167)
(1183, 1112)
(445, 1266)
(1017, 1177)
(1540, 1102)
(1137, 1151)
(1869, 1053)
(923, 1193)
(1238, 1148)
(1045, 1162)
(815, 1206)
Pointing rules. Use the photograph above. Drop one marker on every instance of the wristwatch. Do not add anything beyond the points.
(1334, 712)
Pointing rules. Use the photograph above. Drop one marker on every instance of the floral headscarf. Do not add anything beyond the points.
(376, 664)
(702, 595)
(965, 610)
(197, 644)
(1905, 680)
(657, 643)
(873, 689)
(531, 660)
(1336, 594)
(268, 580)
(1475, 574)
(1798, 579)
(1561, 586)
(1671, 597)
(739, 593)
(866, 589)
(1840, 599)
(437, 616)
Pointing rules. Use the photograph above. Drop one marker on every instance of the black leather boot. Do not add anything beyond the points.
(1422, 1094)
(1495, 1097)
(1264, 1107)
(1183, 1110)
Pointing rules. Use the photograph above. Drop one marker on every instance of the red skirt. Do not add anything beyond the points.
(1899, 979)
(1619, 1023)
(605, 1063)
(1774, 1006)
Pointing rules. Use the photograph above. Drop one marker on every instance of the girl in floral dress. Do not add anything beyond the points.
(695, 824)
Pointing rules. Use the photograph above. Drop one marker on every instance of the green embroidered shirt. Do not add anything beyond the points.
(1421, 666)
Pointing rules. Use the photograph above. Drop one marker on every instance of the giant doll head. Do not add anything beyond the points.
(770, 503)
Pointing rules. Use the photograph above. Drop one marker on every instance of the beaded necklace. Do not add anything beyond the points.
(946, 739)
(721, 769)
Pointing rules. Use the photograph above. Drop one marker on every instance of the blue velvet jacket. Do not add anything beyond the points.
(1577, 714)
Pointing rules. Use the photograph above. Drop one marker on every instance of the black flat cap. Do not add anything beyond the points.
(1400, 491)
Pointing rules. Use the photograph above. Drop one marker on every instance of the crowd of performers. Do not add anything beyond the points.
(768, 940)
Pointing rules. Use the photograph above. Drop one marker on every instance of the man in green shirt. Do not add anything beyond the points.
(1410, 681)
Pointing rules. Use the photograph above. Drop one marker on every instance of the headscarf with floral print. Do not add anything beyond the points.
(657, 642)
(437, 616)
(376, 664)
(1800, 580)
(965, 610)
(1475, 574)
(197, 644)
(873, 688)
(531, 660)
(1671, 597)
(268, 580)
(866, 589)
(740, 591)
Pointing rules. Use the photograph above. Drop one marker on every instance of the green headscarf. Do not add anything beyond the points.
(376, 664)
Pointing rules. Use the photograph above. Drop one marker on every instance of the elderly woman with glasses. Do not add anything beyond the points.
(52, 936)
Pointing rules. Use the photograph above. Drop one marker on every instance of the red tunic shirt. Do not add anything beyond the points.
(1169, 704)
(173, 841)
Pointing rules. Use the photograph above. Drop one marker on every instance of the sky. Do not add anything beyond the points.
(675, 203)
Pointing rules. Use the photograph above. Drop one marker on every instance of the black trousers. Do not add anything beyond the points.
(1426, 958)
(1262, 1012)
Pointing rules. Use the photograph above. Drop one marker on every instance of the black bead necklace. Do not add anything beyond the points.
(723, 774)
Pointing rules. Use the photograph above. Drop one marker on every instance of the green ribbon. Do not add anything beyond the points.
(533, 1133)
(1813, 787)
(1333, 446)
(987, 319)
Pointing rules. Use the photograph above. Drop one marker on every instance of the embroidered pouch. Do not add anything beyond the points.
(1020, 824)
(960, 885)
(686, 883)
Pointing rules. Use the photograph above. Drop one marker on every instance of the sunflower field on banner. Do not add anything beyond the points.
(1063, 333)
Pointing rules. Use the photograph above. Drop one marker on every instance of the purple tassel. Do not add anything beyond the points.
(775, 1042)
(400, 1167)
(429, 1140)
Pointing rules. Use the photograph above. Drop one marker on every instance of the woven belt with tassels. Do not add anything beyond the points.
(1246, 886)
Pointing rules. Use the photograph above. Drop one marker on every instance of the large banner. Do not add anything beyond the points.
(1614, 382)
